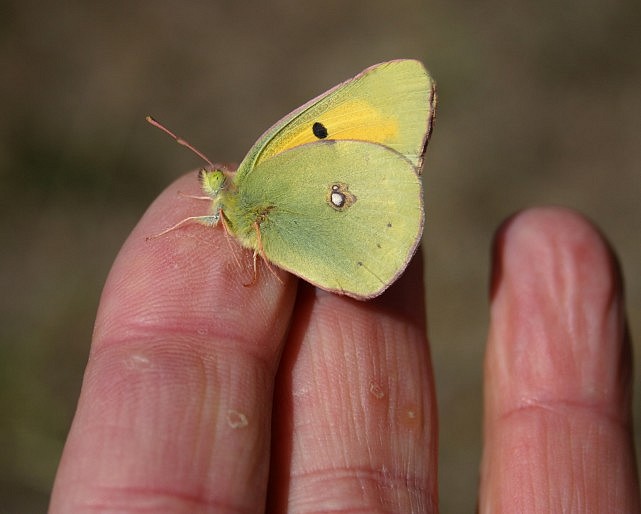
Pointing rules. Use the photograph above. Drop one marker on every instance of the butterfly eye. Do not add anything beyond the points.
(319, 130)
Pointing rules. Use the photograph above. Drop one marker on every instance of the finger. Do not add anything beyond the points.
(175, 409)
(557, 373)
(355, 419)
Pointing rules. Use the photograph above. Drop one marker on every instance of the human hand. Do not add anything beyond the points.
(203, 395)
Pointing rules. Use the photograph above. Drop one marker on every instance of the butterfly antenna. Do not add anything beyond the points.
(179, 140)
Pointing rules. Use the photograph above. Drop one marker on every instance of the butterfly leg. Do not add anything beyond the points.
(260, 251)
(209, 221)
(194, 197)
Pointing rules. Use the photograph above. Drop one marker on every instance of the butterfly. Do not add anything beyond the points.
(332, 192)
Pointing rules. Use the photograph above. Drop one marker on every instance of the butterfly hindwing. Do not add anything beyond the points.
(345, 215)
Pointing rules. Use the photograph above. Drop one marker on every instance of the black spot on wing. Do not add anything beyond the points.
(319, 130)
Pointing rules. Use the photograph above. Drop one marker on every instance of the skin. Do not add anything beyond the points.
(205, 395)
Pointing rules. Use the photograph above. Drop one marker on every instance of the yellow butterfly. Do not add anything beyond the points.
(332, 192)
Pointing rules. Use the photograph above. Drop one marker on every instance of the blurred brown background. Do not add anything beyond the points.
(539, 103)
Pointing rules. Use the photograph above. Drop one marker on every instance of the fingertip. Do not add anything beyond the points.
(557, 368)
(532, 232)
(190, 279)
(555, 298)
